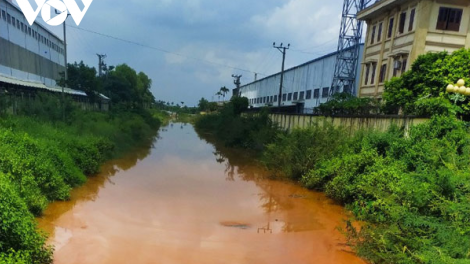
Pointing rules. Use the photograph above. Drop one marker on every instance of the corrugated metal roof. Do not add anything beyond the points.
(38, 85)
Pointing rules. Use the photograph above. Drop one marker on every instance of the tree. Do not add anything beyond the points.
(82, 77)
(124, 86)
(203, 104)
(223, 91)
(427, 79)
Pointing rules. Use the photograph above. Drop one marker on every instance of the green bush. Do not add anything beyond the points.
(347, 104)
(41, 160)
(19, 240)
(250, 132)
(415, 92)
(294, 154)
(411, 192)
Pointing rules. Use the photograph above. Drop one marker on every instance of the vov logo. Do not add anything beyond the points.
(45, 6)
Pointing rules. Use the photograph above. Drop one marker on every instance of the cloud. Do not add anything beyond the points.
(303, 23)
(213, 36)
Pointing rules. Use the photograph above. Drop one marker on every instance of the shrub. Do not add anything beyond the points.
(415, 92)
(294, 154)
(411, 192)
(19, 240)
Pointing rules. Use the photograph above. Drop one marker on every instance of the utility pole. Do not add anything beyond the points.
(101, 58)
(237, 83)
(283, 51)
(66, 76)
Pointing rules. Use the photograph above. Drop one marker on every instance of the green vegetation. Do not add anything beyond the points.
(44, 154)
(347, 104)
(411, 193)
(251, 132)
(206, 106)
(422, 90)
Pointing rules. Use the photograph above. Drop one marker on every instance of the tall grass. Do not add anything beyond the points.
(42, 157)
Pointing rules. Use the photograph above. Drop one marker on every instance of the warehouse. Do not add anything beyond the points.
(32, 58)
(28, 53)
(304, 87)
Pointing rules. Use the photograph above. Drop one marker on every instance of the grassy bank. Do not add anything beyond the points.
(413, 194)
(42, 159)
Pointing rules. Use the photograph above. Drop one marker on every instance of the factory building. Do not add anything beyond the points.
(32, 59)
(28, 53)
(304, 87)
(401, 30)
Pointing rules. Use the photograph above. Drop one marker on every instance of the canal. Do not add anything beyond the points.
(185, 200)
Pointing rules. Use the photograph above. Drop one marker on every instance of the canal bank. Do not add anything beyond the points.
(184, 200)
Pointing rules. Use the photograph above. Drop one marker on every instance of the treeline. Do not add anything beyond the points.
(122, 84)
(411, 194)
(44, 155)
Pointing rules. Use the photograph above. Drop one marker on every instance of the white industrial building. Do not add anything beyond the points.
(304, 87)
(28, 53)
(32, 59)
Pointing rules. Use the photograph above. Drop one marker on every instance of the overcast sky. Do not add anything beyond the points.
(208, 34)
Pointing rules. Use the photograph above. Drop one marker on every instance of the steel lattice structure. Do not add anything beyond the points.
(348, 47)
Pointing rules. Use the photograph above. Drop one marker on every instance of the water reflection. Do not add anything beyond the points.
(90, 191)
(188, 200)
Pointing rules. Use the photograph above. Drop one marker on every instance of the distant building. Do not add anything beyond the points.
(304, 87)
(401, 30)
(28, 53)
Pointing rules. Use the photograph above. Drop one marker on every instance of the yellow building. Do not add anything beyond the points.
(398, 31)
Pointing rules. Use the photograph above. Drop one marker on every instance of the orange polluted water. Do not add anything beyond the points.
(184, 201)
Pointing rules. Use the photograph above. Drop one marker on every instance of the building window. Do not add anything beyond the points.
(4, 16)
(271, 99)
(401, 27)
(316, 93)
(309, 95)
(301, 95)
(379, 34)
(383, 71)
(275, 98)
(412, 20)
(372, 35)
(13, 21)
(22, 26)
(18, 24)
(396, 67)
(325, 92)
(390, 27)
(403, 64)
(399, 65)
(296, 96)
(284, 97)
(366, 81)
(449, 19)
(9, 18)
(289, 97)
(29, 31)
(374, 69)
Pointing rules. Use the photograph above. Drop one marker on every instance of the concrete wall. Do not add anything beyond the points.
(352, 124)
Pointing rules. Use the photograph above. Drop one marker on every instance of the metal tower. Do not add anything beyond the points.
(350, 36)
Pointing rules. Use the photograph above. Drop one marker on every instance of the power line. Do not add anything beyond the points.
(163, 50)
